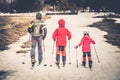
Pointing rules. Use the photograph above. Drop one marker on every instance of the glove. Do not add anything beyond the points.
(43, 37)
(76, 47)
(54, 39)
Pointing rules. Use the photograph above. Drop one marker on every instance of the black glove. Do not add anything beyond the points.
(43, 37)
(76, 47)
(30, 30)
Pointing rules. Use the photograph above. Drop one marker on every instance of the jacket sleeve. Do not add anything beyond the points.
(69, 34)
(54, 35)
(45, 32)
(93, 42)
(81, 42)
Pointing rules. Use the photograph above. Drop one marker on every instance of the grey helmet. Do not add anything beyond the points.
(38, 16)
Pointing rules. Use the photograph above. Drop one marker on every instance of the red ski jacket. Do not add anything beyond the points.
(85, 43)
(59, 35)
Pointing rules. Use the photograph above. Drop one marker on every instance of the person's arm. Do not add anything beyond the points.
(54, 35)
(81, 42)
(45, 32)
(93, 42)
(69, 34)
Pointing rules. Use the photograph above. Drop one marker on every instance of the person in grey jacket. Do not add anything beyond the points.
(38, 32)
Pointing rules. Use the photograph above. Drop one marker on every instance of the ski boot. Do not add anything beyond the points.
(40, 61)
(90, 65)
(84, 64)
(64, 60)
(57, 63)
(63, 64)
(33, 61)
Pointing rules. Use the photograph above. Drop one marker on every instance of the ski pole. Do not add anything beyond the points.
(76, 59)
(44, 53)
(96, 54)
(52, 53)
(29, 37)
(69, 53)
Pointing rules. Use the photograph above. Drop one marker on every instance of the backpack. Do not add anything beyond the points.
(37, 28)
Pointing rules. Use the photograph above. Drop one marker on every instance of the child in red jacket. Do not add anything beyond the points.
(86, 48)
(59, 35)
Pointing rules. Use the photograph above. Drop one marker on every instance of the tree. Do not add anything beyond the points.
(24, 5)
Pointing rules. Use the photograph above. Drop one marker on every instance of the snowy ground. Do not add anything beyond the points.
(107, 69)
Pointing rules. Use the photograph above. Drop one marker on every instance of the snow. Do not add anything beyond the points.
(107, 69)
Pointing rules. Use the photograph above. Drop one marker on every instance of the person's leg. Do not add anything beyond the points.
(63, 56)
(40, 57)
(57, 59)
(32, 52)
(84, 59)
(64, 60)
(89, 59)
(57, 55)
